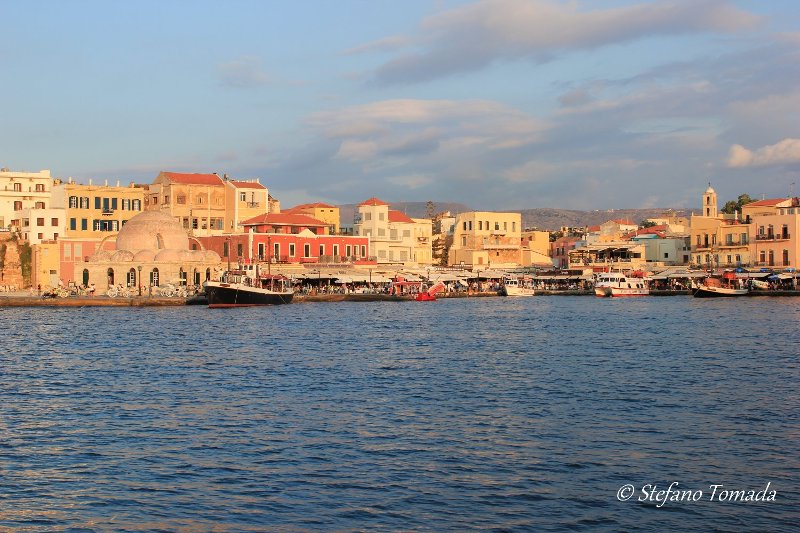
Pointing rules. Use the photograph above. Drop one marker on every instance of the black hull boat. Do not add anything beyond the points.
(726, 286)
(236, 289)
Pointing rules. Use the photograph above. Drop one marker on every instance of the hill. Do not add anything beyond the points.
(543, 217)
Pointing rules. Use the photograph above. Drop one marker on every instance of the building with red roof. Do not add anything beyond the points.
(394, 236)
(321, 211)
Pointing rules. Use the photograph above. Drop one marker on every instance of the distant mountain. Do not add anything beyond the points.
(553, 219)
(544, 218)
(412, 209)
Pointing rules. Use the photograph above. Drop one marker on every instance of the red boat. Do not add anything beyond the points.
(430, 294)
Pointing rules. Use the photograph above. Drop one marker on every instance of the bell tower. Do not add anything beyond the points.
(710, 202)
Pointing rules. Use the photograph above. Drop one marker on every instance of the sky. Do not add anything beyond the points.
(496, 104)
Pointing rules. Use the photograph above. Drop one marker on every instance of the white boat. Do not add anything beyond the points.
(617, 284)
(512, 287)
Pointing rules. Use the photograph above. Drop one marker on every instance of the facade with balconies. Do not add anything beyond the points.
(718, 240)
(486, 238)
(21, 191)
(394, 237)
(773, 232)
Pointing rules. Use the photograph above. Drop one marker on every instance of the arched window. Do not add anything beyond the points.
(154, 277)
(85, 277)
(182, 276)
(110, 274)
(131, 278)
(196, 277)
(208, 274)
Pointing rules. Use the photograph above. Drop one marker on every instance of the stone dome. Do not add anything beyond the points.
(152, 230)
(144, 256)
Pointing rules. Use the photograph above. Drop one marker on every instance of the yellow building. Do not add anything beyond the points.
(423, 235)
(774, 230)
(320, 211)
(717, 239)
(45, 265)
(244, 199)
(487, 238)
(536, 248)
(96, 211)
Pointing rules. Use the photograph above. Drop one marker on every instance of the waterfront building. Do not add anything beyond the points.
(560, 249)
(614, 230)
(37, 225)
(487, 238)
(92, 212)
(289, 239)
(608, 256)
(718, 239)
(320, 211)
(21, 191)
(774, 230)
(151, 250)
(536, 248)
(206, 204)
(394, 237)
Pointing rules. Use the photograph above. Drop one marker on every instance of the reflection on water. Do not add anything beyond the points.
(516, 414)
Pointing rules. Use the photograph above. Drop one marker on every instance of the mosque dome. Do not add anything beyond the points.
(152, 230)
(144, 256)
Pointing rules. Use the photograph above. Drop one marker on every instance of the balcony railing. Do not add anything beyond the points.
(252, 204)
(773, 237)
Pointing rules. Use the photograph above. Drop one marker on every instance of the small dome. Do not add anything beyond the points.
(211, 256)
(100, 256)
(710, 190)
(152, 230)
(169, 256)
(121, 256)
(144, 256)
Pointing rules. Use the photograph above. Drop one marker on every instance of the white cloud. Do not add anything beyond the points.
(475, 35)
(784, 152)
(242, 73)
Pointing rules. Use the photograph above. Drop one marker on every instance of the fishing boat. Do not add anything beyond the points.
(715, 287)
(617, 284)
(430, 294)
(513, 287)
(239, 288)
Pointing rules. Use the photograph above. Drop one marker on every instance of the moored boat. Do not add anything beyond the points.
(236, 288)
(617, 284)
(715, 287)
(513, 287)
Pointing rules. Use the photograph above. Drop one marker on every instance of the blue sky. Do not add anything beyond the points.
(498, 104)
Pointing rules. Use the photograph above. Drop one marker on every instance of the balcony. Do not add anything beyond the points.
(107, 212)
(773, 237)
(253, 204)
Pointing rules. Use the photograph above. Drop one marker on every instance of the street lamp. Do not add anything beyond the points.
(140, 280)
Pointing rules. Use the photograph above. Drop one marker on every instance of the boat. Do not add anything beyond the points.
(617, 284)
(720, 287)
(512, 287)
(240, 288)
(430, 294)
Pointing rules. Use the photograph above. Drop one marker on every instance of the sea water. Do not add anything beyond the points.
(527, 414)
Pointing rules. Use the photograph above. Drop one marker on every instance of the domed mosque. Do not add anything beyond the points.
(152, 246)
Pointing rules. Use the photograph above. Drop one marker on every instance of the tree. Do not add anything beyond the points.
(647, 224)
(732, 206)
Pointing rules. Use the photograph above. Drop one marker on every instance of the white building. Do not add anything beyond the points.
(20, 191)
(394, 236)
(37, 225)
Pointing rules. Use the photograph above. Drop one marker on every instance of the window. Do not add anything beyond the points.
(137, 205)
(291, 250)
(480, 225)
(18, 187)
(126, 204)
(738, 259)
(465, 226)
(367, 216)
(84, 202)
(17, 206)
(97, 202)
(348, 251)
(276, 250)
(166, 199)
(321, 250)
(73, 224)
(239, 250)
(729, 239)
(514, 226)
(73, 202)
(131, 277)
(786, 258)
(155, 200)
(242, 197)
(40, 221)
(199, 199)
(762, 257)
(54, 222)
(114, 204)
(771, 258)
(306, 250)
(497, 226)
(39, 187)
(154, 277)
(40, 236)
(363, 251)
(381, 216)
(225, 249)
(335, 250)
(743, 238)
(84, 224)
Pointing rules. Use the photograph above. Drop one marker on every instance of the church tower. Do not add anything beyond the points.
(710, 202)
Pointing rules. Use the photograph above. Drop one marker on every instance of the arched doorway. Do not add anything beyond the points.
(208, 274)
(85, 277)
(182, 276)
(154, 277)
(110, 275)
(131, 278)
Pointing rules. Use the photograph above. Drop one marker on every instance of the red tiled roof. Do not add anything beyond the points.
(195, 179)
(398, 216)
(284, 219)
(373, 201)
(652, 230)
(593, 228)
(246, 184)
(766, 203)
(315, 204)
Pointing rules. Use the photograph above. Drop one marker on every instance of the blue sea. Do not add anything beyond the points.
(482, 414)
